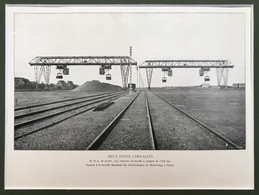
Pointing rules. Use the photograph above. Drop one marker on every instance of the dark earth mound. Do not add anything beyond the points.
(97, 86)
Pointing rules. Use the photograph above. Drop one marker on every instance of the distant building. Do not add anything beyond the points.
(235, 85)
(242, 85)
(239, 85)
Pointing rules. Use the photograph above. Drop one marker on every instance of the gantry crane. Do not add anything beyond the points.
(42, 65)
(221, 66)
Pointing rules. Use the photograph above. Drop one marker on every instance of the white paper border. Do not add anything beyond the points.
(66, 169)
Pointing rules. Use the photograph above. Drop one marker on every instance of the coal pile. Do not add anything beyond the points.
(97, 86)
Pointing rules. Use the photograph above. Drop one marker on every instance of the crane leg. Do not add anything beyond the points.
(225, 77)
(219, 75)
(222, 73)
(39, 70)
(124, 75)
(46, 73)
(149, 72)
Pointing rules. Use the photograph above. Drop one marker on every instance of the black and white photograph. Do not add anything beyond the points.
(130, 79)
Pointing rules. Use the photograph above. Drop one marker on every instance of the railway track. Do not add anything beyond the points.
(55, 102)
(24, 127)
(100, 139)
(105, 133)
(40, 108)
(150, 125)
(95, 144)
(119, 135)
(229, 142)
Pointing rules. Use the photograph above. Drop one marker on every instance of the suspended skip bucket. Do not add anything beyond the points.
(170, 73)
(201, 73)
(101, 71)
(59, 76)
(206, 69)
(66, 71)
(163, 79)
(61, 66)
(207, 78)
(108, 77)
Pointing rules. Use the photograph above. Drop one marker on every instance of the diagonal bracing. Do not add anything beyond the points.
(42, 64)
(222, 67)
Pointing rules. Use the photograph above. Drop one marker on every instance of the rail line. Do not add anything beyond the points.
(200, 123)
(97, 142)
(54, 122)
(107, 130)
(18, 125)
(150, 125)
(61, 106)
(59, 101)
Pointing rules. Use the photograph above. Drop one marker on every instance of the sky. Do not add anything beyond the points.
(153, 36)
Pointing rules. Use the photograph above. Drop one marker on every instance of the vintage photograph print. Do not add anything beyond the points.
(129, 97)
(130, 80)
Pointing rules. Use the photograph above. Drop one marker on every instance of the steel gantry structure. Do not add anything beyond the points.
(42, 64)
(221, 66)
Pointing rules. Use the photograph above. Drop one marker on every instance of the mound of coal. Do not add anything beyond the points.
(97, 86)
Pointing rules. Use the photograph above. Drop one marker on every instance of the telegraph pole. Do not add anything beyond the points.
(137, 76)
(130, 85)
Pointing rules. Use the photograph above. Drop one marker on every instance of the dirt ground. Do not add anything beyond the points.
(75, 133)
(175, 131)
(34, 97)
(131, 133)
(222, 110)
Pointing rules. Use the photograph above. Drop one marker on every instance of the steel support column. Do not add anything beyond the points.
(46, 73)
(42, 64)
(225, 76)
(39, 70)
(149, 72)
(219, 75)
(222, 73)
(124, 75)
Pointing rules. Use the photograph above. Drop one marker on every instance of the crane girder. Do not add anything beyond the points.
(186, 64)
(82, 60)
(42, 64)
(221, 67)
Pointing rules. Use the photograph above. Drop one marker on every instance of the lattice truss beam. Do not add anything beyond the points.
(82, 60)
(186, 64)
(222, 67)
(42, 64)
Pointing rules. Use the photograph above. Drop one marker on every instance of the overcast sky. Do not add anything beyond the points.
(153, 36)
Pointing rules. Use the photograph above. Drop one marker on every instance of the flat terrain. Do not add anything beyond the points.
(28, 98)
(174, 130)
(222, 110)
